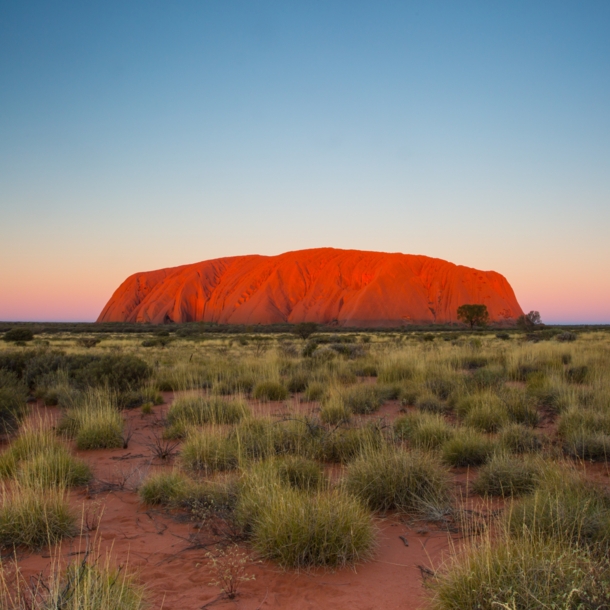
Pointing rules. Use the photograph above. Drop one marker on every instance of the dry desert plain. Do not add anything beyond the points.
(346, 470)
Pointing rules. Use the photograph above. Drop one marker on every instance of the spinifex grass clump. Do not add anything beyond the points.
(270, 390)
(37, 457)
(391, 478)
(96, 423)
(429, 403)
(334, 410)
(467, 448)
(522, 574)
(33, 517)
(487, 417)
(167, 488)
(517, 438)
(86, 584)
(362, 399)
(506, 475)
(12, 402)
(342, 445)
(423, 430)
(315, 391)
(300, 472)
(197, 410)
(298, 528)
(564, 507)
(209, 450)
(586, 433)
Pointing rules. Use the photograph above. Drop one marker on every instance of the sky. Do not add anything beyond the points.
(140, 135)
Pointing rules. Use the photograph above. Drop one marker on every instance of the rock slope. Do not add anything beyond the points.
(324, 285)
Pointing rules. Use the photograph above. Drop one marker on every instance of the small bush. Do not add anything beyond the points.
(566, 337)
(198, 410)
(166, 488)
(18, 334)
(334, 411)
(467, 448)
(298, 382)
(577, 374)
(592, 446)
(487, 417)
(394, 479)
(517, 438)
(12, 404)
(299, 530)
(395, 372)
(506, 476)
(34, 519)
(565, 507)
(238, 384)
(315, 391)
(362, 399)
(423, 430)
(270, 390)
(344, 444)
(209, 451)
(429, 403)
(521, 575)
(300, 472)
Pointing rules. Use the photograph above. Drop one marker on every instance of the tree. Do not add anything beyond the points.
(18, 334)
(529, 321)
(473, 314)
(305, 329)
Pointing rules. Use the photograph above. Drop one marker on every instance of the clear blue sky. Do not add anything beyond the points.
(138, 135)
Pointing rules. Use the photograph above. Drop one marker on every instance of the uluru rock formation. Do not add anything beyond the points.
(324, 285)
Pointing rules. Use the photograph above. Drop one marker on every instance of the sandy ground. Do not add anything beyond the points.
(168, 553)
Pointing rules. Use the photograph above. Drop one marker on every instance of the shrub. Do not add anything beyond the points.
(344, 444)
(429, 403)
(390, 479)
(423, 430)
(18, 334)
(566, 336)
(298, 382)
(34, 519)
(487, 417)
(299, 530)
(237, 384)
(395, 372)
(167, 488)
(487, 378)
(362, 399)
(566, 508)
(506, 476)
(36, 457)
(592, 446)
(96, 424)
(12, 403)
(517, 438)
(520, 409)
(198, 410)
(120, 372)
(520, 575)
(467, 448)
(577, 422)
(209, 451)
(577, 374)
(334, 411)
(314, 392)
(300, 472)
(270, 390)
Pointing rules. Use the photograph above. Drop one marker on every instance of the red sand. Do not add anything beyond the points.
(325, 285)
(156, 545)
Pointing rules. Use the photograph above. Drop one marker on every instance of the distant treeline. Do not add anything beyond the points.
(198, 328)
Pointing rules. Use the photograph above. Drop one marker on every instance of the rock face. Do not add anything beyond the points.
(324, 285)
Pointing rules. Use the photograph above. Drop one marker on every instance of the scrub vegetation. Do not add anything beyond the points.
(298, 444)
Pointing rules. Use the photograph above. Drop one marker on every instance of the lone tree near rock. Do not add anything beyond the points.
(529, 321)
(305, 329)
(473, 314)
